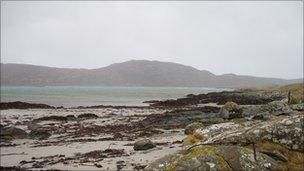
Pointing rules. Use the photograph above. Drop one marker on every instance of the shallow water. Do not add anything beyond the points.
(86, 96)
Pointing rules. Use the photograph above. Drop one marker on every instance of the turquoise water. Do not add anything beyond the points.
(86, 96)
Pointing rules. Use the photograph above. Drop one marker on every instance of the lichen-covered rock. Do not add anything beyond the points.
(284, 130)
(191, 128)
(143, 144)
(215, 158)
(13, 133)
(231, 106)
(230, 111)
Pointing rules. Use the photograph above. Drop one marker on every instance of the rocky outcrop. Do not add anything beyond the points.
(239, 97)
(182, 118)
(286, 131)
(23, 105)
(215, 158)
(274, 144)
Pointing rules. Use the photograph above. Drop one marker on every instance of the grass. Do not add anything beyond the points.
(296, 90)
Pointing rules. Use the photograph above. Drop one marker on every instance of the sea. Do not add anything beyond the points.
(68, 96)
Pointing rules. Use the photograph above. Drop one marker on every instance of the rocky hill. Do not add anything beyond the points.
(130, 73)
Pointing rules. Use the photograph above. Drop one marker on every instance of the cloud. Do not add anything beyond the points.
(249, 38)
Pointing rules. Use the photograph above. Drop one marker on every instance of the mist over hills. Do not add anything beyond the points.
(130, 73)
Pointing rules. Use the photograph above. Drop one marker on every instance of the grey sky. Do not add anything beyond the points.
(248, 38)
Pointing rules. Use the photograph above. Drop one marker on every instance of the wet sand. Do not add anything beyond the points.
(63, 148)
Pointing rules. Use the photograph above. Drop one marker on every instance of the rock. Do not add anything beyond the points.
(39, 134)
(98, 165)
(87, 116)
(13, 133)
(230, 111)
(272, 108)
(215, 158)
(191, 128)
(275, 155)
(278, 108)
(284, 130)
(182, 118)
(23, 105)
(143, 144)
(239, 97)
(71, 117)
(298, 107)
(231, 106)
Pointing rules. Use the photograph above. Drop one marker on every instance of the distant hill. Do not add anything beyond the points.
(130, 73)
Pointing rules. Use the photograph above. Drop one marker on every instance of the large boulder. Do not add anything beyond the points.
(143, 144)
(13, 133)
(191, 128)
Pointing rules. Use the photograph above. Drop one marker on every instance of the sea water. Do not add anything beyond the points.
(68, 96)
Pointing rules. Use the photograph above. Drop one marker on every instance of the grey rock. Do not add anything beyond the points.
(143, 144)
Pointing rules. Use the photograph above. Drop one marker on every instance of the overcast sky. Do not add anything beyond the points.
(248, 38)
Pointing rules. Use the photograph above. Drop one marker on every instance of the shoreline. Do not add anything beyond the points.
(105, 137)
